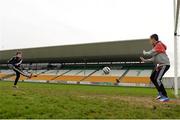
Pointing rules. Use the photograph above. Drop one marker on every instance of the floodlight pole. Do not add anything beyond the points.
(176, 16)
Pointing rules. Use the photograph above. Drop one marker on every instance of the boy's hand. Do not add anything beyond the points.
(142, 59)
(144, 52)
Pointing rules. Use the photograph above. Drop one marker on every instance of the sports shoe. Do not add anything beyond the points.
(15, 86)
(159, 96)
(164, 99)
(34, 75)
(117, 81)
(30, 75)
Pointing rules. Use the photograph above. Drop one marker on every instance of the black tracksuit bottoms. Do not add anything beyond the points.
(156, 78)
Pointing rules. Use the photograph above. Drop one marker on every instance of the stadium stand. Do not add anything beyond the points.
(91, 76)
(75, 75)
(99, 76)
(137, 76)
(85, 65)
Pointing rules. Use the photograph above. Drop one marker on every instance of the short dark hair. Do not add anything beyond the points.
(154, 36)
(18, 52)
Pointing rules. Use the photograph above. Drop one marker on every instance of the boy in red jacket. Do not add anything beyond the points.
(162, 64)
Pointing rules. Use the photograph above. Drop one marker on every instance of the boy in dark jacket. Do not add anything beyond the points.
(16, 61)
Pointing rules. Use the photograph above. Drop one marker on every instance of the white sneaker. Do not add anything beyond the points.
(159, 96)
(30, 76)
(15, 86)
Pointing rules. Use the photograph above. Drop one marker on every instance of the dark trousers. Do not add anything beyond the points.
(18, 72)
(17, 77)
(156, 78)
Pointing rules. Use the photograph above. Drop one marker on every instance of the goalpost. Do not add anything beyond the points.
(176, 19)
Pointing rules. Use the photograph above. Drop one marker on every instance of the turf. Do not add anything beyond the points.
(43, 100)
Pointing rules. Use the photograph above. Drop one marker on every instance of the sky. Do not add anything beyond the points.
(37, 23)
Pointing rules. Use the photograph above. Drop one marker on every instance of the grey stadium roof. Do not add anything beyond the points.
(117, 51)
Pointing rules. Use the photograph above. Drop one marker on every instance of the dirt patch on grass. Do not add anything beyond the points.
(148, 102)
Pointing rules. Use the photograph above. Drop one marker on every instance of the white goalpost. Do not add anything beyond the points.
(176, 19)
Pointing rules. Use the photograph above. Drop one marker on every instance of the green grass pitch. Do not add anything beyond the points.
(43, 100)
